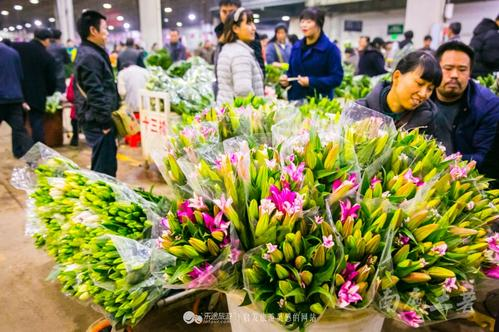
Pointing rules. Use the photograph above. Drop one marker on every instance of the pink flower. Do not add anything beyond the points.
(493, 242)
(218, 164)
(347, 210)
(410, 177)
(327, 241)
(350, 271)
(295, 172)
(196, 202)
(492, 272)
(374, 181)
(286, 200)
(234, 157)
(222, 203)
(266, 206)
(271, 163)
(185, 211)
(449, 284)
(351, 182)
(411, 318)
(348, 294)
(217, 223)
(271, 248)
(457, 172)
(318, 220)
(235, 255)
(404, 239)
(456, 156)
(202, 276)
(439, 250)
(188, 132)
(164, 223)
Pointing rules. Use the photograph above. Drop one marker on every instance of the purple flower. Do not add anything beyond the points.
(271, 248)
(185, 211)
(411, 318)
(318, 220)
(202, 276)
(188, 132)
(456, 156)
(457, 172)
(217, 223)
(351, 181)
(197, 202)
(404, 239)
(439, 250)
(493, 242)
(449, 284)
(347, 210)
(350, 271)
(295, 172)
(164, 223)
(234, 157)
(374, 181)
(286, 200)
(492, 272)
(327, 241)
(218, 164)
(410, 177)
(348, 294)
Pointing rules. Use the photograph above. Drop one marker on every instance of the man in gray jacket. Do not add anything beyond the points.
(130, 56)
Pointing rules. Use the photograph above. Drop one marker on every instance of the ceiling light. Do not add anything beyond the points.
(192, 17)
(35, 2)
(5, 29)
(51, 20)
(285, 18)
(126, 25)
(168, 10)
(19, 27)
(5, 12)
(12, 28)
(165, 20)
(256, 15)
(84, 10)
(110, 27)
(257, 20)
(179, 24)
(107, 6)
(37, 23)
(18, 7)
(28, 25)
(120, 18)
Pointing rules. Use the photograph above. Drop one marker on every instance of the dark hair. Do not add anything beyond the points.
(281, 26)
(236, 3)
(428, 37)
(409, 34)
(229, 36)
(89, 18)
(293, 39)
(455, 27)
(455, 45)
(7, 41)
(414, 60)
(264, 36)
(56, 34)
(129, 42)
(174, 30)
(43, 34)
(368, 39)
(349, 50)
(378, 42)
(314, 14)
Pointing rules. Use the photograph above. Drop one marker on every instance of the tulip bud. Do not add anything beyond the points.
(253, 210)
(276, 256)
(331, 156)
(262, 226)
(423, 232)
(218, 235)
(285, 286)
(281, 271)
(416, 277)
(462, 232)
(389, 281)
(310, 157)
(199, 245)
(300, 262)
(401, 254)
(213, 247)
(417, 219)
(475, 259)
(319, 257)
(290, 237)
(326, 229)
(440, 272)
(317, 308)
(190, 251)
(177, 251)
(306, 277)
(347, 227)
(289, 254)
(339, 279)
(373, 244)
(363, 273)
(252, 276)
(297, 243)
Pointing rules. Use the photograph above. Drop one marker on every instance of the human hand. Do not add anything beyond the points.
(303, 81)
(26, 107)
(283, 80)
(106, 131)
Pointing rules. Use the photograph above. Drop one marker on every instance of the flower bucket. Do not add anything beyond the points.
(250, 319)
(53, 130)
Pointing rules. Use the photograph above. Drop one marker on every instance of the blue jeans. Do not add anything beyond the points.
(13, 115)
(104, 150)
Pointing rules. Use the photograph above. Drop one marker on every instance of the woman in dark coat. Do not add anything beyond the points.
(372, 62)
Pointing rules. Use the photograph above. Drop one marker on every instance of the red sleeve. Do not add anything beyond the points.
(70, 95)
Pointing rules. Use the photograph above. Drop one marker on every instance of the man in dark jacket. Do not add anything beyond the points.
(372, 62)
(468, 112)
(130, 56)
(61, 57)
(176, 48)
(96, 92)
(11, 98)
(485, 43)
(227, 7)
(39, 78)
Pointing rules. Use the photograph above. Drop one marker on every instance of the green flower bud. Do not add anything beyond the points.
(317, 308)
(281, 271)
(289, 254)
(300, 262)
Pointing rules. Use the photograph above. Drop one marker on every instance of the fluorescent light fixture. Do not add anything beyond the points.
(35, 2)
(28, 25)
(168, 10)
(192, 17)
(257, 20)
(37, 23)
(107, 6)
(110, 27)
(165, 20)
(12, 29)
(256, 15)
(179, 24)
(51, 20)
(5, 12)
(19, 27)
(18, 7)
(120, 18)
(126, 25)
(285, 18)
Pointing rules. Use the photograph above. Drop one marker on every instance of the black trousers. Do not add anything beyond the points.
(36, 123)
(13, 115)
(104, 150)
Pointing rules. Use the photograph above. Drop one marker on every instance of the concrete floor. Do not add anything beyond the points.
(29, 302)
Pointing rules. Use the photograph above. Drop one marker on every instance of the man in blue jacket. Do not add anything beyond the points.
(468, 112)
(11, 99)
